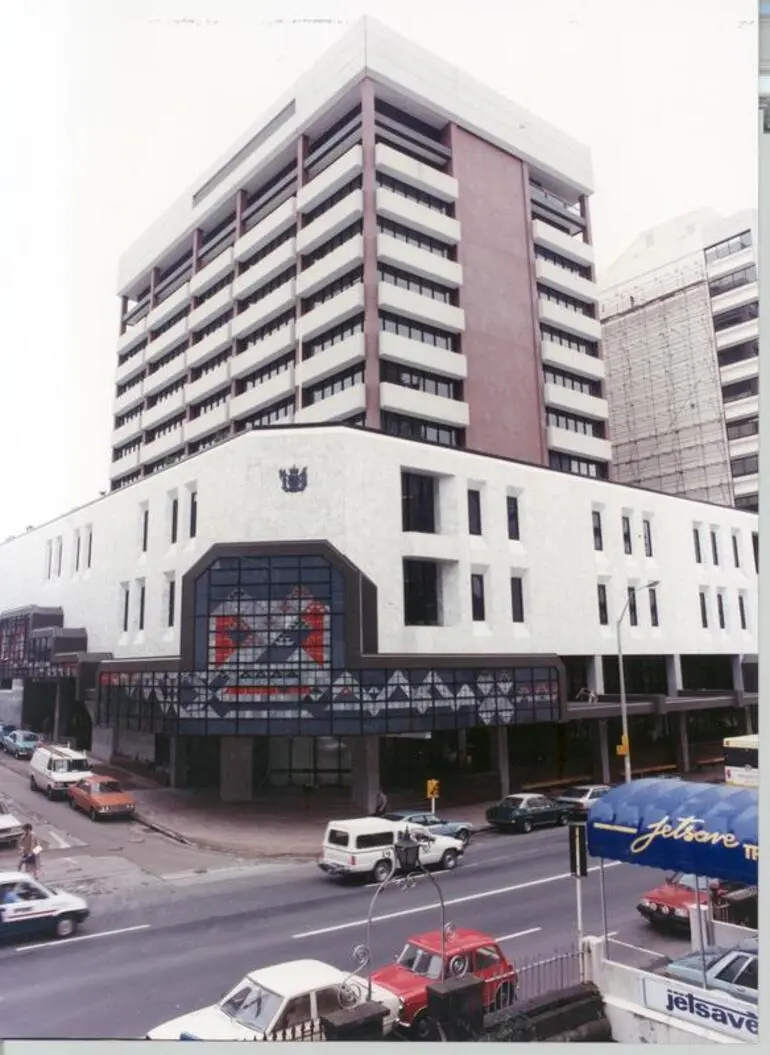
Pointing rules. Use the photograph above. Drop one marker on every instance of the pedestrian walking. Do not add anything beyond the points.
(30, 852)
(381, 805)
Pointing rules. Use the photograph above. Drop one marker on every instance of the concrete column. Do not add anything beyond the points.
(177, 762)
(499, 734)
(737, 665)
(59, 709)
(595, 674)
(673, 675)
(236, 768)
(462, 746)
(604, 751)
(365, 771)
(371, 284)
(684, 743)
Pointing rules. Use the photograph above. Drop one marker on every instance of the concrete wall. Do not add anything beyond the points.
(132, 744)
(726, 935)
(11, 701)
(353, 500)
(103, 742)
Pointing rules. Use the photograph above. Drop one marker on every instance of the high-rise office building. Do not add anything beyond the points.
(392, 245)
(681, 340)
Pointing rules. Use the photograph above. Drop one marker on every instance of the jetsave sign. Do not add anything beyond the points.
(709, 1009)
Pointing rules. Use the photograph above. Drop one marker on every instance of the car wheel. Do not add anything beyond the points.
(505, 996)
(464, 836)
(49, 793)
(65, 927)
(32, 784)
(424, 1028)
(94, 815)
(526, 827)
(382, 871)
(562, 819)
(449, 860)
(73, 804)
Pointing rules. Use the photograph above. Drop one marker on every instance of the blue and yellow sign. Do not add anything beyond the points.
(679, 826)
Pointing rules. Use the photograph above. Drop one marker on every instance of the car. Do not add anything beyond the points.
(10, 827)
(101, 797)
(21, 743)
(524, 812)
(273, 1000)
(366, 847)
(28, 907)
(419, 964)
(667, 906)
(734, 971)
(580, 798)
(54, 769)
(462, 830)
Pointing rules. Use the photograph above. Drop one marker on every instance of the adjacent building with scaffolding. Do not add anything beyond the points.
(680, 324)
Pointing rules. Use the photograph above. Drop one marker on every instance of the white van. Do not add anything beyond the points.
(54, 769)
(366, 846)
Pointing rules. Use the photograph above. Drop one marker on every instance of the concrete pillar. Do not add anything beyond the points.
(365, 771)
(177, 762)
(737, 666)
(604, 751)
(499, 734)
(236, 768)
(462, 746)
(59, 709)
(684, 743)
(595, 674)
(673, 675)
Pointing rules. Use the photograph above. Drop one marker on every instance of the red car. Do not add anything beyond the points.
(668, 905)
(419, 964)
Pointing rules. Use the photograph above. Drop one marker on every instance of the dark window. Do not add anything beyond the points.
(736, 552)
(413, 194)
(714, 548)
(421, 599)
(374, 840)
(271, 415)
(330, 386)
(171, 600)
(174, 519)
(745, 466)
(474, 512)
(704, 611)
(265, 250)
(145, 529)
(654, 619)
(562, 262)
(142, 594)
(728, 247)
(740, 390)
(417, 331)
(410, 237)
(339, 239)
(628, 542)
(601, 597)
(633, 613)
(331, 337)
(477, 598)
(427, 431)
(737, 430)
(755, 544)
(721, 611)
(201, 371)
(415, 284)
(213, 289)
(332, 200)
(742, 610)
(734, 280)
(512, 503)
(647, 533)
(517, 599)
(126, 601)
(193, 514)
(749, 502)
(564, 379)
(273, 326)
(172, 321)
(90, 547)
(574, 423)
(565, 301)
(77, 552)
(59, 552)
(696, 545)
(418, 502)
(420, 380)
(567, 463)
(739, 353)
(333, 289)
(596, 519)
(567, 340)
(735, 317)
(265, 290)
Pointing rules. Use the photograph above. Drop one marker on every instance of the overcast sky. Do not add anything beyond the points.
(110, 109)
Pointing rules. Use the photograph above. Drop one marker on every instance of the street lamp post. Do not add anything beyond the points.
(632, 591)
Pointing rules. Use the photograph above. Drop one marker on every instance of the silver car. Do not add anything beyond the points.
(732, 971)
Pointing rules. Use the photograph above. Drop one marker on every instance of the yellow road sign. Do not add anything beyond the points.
(432, 789)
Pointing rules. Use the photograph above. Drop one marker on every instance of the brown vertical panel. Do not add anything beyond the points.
(197, 238)
(240, 208)
(153, 283)
(504, 387)
(123, 311)
(371, 315)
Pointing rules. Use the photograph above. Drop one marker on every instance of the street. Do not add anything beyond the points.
(162, 943)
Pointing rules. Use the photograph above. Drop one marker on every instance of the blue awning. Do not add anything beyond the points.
(710, 830)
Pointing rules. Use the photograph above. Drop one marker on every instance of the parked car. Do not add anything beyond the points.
(101, 797)
(419, 964)
(53, 769)
(27, 908)
(365, 846)
(668, 905)
(581, 798)
(734, 971)
(524, 812)
(10, 827)
(462, 830)
(21, 743)
(285, 997)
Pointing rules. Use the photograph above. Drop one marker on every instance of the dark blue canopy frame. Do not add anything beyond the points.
(709, 830)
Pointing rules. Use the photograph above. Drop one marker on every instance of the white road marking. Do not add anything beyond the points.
(82, 937)
(612, 933)
(437, 872)
(518, 934)
(638, 948)
(61, 844)
(450, 901)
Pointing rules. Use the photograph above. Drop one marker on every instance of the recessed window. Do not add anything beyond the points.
(478, 607)
(697, 546)
(142, 598)
(513, 517)
(474, 512)
(601, 597)
(418, 503)
(714, 547)
(171, 610)
(421, 593)
(654, 618)
(628, 542)
(704, 610)
(145, 529)
(647, 534)
(596, 521)
(193, 514)
(742, 611)
(126, 603)
(517, 599)
(755, 545)
(721, 611)
(736, 552)
(633, 612)
(174, 520)
(90, 549)
(77, 551)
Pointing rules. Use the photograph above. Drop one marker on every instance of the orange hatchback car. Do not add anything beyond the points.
(100, 796)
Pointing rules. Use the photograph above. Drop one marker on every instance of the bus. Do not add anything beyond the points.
(742, 760)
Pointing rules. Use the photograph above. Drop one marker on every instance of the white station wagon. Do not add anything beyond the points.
(285, 997)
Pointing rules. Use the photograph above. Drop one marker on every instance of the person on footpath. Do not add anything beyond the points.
(30, 852)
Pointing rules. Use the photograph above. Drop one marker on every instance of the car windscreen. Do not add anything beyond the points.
(574, 793)
(685, 879)
(337, 837)
(514, 801)
(108, 787)
(69, 765)
(420, 961)
(252, 1006)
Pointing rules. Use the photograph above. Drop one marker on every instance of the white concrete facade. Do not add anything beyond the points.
(353, 500)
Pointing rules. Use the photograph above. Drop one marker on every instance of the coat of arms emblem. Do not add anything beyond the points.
(293, 480)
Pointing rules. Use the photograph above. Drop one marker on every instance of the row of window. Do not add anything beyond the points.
(212, 326)
(414, 238)
(426, 431)
(339, 239)
(561, 261)
(264, 251)
(703, 600)
(333, 199)
(568, 463)
(745, 466)
(478, 598)
(330, 386)
(736, 316)
(421, 197)
(54, 552)
(728, 247)
(413, 284)
(626, 532)
(165, 427)
(271, 415)
(417, 331)
(734, 280)
(420, 380)
(327, 293)
(574, 423)
(574, 382)
(213, 289)
(738, 430)
(140, 590)
(714, 542)
(565, 301)
(738, 353)
(267, 288)
(740, 390)
(278, 366)
(567, 340)
(173, 520)
(210, 365)
(632, 605)
(162, 327)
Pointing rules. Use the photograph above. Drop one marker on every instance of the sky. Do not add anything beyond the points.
(110, 110)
